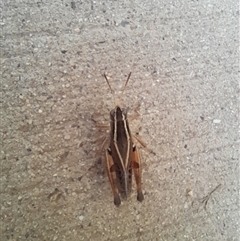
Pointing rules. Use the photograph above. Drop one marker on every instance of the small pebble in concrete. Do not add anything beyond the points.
(67, 137)
(216, 121)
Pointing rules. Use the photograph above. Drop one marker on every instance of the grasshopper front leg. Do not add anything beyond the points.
(111, 170)
(136, 166)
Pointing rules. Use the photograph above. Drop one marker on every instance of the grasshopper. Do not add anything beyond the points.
(122, 155)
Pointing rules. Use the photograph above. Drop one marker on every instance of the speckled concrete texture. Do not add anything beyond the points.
(183, 56)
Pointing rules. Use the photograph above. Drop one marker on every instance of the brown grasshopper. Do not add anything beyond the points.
(122, 156)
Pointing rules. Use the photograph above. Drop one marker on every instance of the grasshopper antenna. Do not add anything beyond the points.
(113, 94)
(105, 76)
(124, 87)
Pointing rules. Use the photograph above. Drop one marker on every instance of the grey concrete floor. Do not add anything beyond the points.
(184, 61)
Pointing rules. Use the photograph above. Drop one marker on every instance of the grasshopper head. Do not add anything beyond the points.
(118, 114)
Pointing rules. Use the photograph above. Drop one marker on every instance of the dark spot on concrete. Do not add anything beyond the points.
(73, 5)
(124, 23)
(99, 161)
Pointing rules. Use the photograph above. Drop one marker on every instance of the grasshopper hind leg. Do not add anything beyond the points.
(111, 170)
(136, 166)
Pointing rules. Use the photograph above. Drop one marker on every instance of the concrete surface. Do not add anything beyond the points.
(183, 56)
